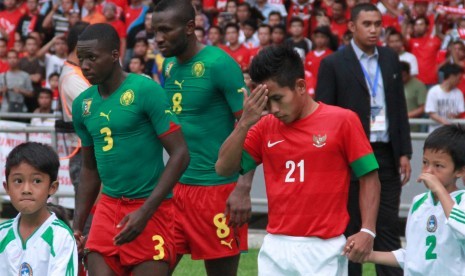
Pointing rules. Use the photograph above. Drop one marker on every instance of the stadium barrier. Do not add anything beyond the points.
(258, 194)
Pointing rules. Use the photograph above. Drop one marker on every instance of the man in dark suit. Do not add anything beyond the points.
(367, 79)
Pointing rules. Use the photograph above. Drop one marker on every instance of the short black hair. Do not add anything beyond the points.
(140, 59)
(104, 33)
(279, 26)
(393, 32)
(263, 25)
(451, 140)
(232, 25)
(200, 29)
(296, 19)
(357, 9)
(251, 23)
(275, 13)
(404, 67)
(46, 91)
(217, 28)
(341, 2)
(450, 69)
(422, 17)
(74, 33)
(54, 74)
(281, 64)
(184, 8)
(40, 156)
(143, 40)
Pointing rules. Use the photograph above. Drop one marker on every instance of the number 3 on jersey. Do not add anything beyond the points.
(107, 138)
(177, 98)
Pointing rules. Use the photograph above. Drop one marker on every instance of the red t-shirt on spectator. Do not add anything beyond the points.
(241, 55)
(8, 22)
(120, 28)
(313, 60)
(4, 66)
(391, 21)
(302, 11)
(425, 49)
(338, 29)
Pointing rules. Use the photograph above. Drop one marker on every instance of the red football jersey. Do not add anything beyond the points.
(425, 49)
(241, 55)
(313, 60)
(307, 169)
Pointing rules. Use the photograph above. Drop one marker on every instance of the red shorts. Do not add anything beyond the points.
(156, 242)
(200, 227)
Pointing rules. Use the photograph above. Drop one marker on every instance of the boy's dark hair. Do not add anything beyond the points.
(450, 69)
(263, 25)
(422, 17)
(393, 32)
(54, 74)
(451, 140)
(232, 25)
(42, 157)
(357, 9)
(46, 91)
(343, 3)
(140, 59)
(404, 67)
(143, 40)
(105, 34)
(184, 8)
(275, 13)
(296, 19)
(60, 212)
(279, 26)
(200, 29)
(74, 33)
(217, 28)
(281, 64)
(251, 23)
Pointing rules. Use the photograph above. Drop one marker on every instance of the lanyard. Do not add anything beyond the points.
(373, 85)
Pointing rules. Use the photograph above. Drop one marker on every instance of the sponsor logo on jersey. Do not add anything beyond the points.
(179, 84)
(272, 144)
(432, 224)
(228, 244)
(241, 90)
(86, 103)
(168, 69)
(198, 69)
(105, 115)
(25, 270)
(167, 111)
(319, 140)
(127, 98)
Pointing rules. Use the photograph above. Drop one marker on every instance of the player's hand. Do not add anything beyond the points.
(361, 245)
(238, 207)
(80, 241)
(405, 169)
(431, 182)
(254, 104)
(133, 224)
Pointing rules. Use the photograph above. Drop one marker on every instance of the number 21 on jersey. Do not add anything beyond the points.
(293, 170)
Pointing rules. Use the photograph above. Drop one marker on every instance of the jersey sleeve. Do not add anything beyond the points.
(357, 147)
(252, 153)
(456, 220)
(155, 104)
(79, 127)
(230, 82)
(66, 257)
(399, 254)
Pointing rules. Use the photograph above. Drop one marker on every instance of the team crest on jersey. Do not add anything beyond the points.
(198, 69)
(86, 103)
(319, 140)
(168, 69)
(25, 270)
(127, 98)
(432, 224)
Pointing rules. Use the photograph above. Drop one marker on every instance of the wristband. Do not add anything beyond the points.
(369, 232)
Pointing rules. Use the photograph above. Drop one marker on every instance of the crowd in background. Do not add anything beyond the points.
(428, 36)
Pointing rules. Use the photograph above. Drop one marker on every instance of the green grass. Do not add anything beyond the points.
(247, 266)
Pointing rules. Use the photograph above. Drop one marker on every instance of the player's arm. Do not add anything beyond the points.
(89, 188)
(370, 188)
(238, 204)
(382, 258)
(229, 157)
(135, 222)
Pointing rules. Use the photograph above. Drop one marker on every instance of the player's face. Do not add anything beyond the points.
(29, 189)
(171, 36)
(283, 102)
(366, 29)
(440, 164)
(94, 60)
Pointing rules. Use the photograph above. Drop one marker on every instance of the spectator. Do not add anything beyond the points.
(278, 34)
(265, 7)
(32, 65)
(235, 49)
(141, 49)
(275, 18)
(215, 36)
(137, 66)
(93, 15)
(134, 18)
(148, 32)
(249, 29)
(395, 41)
(15, 85)
(54, 62)
(415, 94)
(298, 41)
(53, 81)
(31, 21)
(58, 19)
(3, 50)
(109, 11)
(303, 10)
(44, 106)
(10, 18)
(346, 38)
(264, 38)
(339, 20)
(321, 37)
(425, 48)
(445, 101)
(200, 34)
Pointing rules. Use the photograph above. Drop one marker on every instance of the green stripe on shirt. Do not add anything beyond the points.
(247, 162)
(364, 165)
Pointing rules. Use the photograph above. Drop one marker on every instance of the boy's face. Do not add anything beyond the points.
(44, 100)
(320, 40)
(53, 81)
(60, 47)
(277, 36)
(135, 66)
(29, 189)
(232, 36)
(441, 165)
(296, 29)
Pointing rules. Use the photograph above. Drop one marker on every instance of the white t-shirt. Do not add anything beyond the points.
(435, 244)
(445, 104)
(412, 60)
(51, 250)
(53, 64)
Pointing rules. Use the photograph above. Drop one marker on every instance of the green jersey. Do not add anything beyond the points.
(205, 93)
(124, 130)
